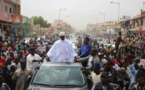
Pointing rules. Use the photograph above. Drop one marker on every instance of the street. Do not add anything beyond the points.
(72, 45)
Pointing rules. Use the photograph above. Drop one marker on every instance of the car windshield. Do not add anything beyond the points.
(59, 76)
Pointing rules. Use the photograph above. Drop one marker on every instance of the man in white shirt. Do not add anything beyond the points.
(62, 50)
(33, 60)
(96, 74)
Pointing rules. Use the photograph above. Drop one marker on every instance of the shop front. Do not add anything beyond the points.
(5, 29)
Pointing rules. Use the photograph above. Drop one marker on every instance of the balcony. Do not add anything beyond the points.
(13, 1)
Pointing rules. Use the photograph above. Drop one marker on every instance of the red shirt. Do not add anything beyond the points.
(3, 45)
(2, 60)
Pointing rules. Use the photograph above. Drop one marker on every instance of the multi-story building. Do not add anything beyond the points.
(136, 24)
(101, 28)
(7, 9)
(60, 25)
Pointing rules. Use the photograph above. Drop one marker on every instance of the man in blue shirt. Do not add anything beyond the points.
(84, 50)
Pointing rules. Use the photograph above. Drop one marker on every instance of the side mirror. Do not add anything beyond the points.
(37, 68)
(89, 83)
(28, 82)
(28, 79)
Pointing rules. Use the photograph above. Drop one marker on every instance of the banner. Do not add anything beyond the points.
(142, 61)
(37, 27)
(140, 27)
(17, 19)
(59, 27)
(117, 29)
(41, 48)
(52, 28)
(25, 19)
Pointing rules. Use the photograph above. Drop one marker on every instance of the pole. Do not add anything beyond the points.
(104, 17)
(65, 19)
(143, 6)
(40, 31)
(59, 16)
(118, 3)
(118, 11)
(65, 23)
(17, 7)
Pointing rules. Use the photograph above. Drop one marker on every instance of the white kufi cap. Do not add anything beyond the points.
(61, 34)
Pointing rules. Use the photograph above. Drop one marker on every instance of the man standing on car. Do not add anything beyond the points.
(62, 50)
(118, 41)
(20, 76)
(84, 51)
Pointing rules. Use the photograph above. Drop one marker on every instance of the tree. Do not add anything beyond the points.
(40, 20)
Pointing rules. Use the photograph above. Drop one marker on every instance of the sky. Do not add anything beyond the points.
(81, 12)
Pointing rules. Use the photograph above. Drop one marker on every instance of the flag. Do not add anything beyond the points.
(52, 28)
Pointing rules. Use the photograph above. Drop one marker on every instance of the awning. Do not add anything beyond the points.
(5, 24)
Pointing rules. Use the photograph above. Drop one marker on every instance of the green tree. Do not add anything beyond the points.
(40, 20)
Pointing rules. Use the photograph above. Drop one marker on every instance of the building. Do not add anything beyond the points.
(59, 25)
(125, 18)
(40, 30)
(136, 24)
(7, 9)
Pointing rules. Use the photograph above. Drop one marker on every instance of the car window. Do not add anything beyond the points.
(59, 75)
(100, 39)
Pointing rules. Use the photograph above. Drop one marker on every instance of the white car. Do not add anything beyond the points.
(112, 45)
(59, 76)
(100, 41)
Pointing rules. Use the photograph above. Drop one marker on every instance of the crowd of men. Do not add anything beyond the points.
(105, 69)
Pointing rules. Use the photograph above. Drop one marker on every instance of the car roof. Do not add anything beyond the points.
(62, 64)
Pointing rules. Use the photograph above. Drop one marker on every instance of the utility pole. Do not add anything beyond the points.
(17, 7)
(118, 3)
(59, 14)
(143, 5)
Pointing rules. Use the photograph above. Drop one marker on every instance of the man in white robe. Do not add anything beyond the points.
(62, 50)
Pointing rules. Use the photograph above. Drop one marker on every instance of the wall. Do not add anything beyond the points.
(15, 1)
(1, 5)
(10, 4)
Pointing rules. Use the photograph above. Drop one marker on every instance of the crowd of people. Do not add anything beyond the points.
(108, 70)
(18, 61)
(105, 69)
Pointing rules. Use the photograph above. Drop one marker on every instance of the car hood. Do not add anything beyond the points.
(57, 88)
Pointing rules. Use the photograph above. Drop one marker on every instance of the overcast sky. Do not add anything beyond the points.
(81, 12)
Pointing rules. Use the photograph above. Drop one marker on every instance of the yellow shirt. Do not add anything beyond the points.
(108, 50)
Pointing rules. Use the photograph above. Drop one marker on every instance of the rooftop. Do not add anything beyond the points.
(13, 1)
